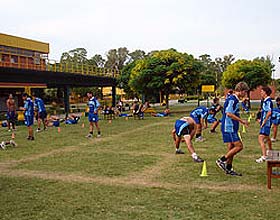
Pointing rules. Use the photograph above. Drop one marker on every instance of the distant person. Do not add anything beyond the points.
(211, 118)
(4, 144)
(28, 109)
(93, 119)
(11, 112)
(165, 113)
(229, 127)
(186, 128)
(72, 119)
(265, 123)
(41, 115)
(199, 115)
(275, 119)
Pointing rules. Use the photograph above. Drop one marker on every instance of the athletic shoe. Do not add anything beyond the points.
(30, 138)
(233, 173)
(273, 139)
(222, 165)
(99, 135)
(200, 139)
(198, 160)
(179, 151)
(9, 130)
(13, 143)
(89, 136)
(2, 145)
(261, 159)
(38, 130)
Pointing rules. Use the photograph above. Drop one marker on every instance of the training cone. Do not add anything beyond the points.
(249, 118)
(239, 135)
(83, 125)
(110, 121)
(204, 169)
(126, 118)
(58, 130)
(13, 135)
(243, 129)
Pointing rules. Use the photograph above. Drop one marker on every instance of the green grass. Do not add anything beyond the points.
(131, 172)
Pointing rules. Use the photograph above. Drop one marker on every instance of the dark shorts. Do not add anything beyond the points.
(93, 117)
(182, 128)
(265, 130)
(230, 137)
(28, 120)
(11, 116)
(42, 115)
(195, 118)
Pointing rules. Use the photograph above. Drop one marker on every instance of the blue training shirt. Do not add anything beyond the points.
(267, 106)
(231, 106)
(200, 112)
(93, 105)
(39, 104)
(29, 107)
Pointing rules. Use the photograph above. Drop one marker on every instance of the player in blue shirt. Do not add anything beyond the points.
(230, 126)
(28, 109)
(275, 119)
(93, 105)
(265, 122)
(41, 112)
(211, 118)
(199, 115)
(186, 128)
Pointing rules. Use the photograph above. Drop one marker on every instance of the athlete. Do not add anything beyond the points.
(186, 128)
(93, 119)
(41, 112)
(28, 109)
(11, 112)
(199, 115)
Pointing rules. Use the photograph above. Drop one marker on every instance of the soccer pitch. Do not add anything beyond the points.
(131, 172)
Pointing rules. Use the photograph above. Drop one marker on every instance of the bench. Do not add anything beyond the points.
(273, 160)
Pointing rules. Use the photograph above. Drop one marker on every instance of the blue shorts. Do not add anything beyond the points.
(28, 120)
(275, 121)
(182, 128)
(230, 137)
(93, 117)
(56, 123)
(211, 120)
(11, 116)
(71, 122)
(265, 130)
(195, 118)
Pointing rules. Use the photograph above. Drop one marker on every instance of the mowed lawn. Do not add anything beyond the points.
(131, 172)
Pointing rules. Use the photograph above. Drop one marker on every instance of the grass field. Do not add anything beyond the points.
(131, 172)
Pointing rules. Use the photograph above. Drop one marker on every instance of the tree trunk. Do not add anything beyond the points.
(167, 100)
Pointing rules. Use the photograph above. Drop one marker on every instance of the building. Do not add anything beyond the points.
(18, 52)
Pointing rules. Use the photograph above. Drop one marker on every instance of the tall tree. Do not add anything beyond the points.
(136, 55)
(97, 60)
(116, 58)
(77, 56)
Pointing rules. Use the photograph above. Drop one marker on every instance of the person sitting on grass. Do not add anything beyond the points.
(6, 143)
(72, 119)
(186, 128)
(165, 113)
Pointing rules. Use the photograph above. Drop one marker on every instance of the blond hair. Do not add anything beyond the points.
(241, 86)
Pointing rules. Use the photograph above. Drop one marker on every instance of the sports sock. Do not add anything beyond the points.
(194, 155)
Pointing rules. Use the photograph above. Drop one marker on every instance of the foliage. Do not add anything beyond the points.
(255, 73)
(116, 58)
(77, 56)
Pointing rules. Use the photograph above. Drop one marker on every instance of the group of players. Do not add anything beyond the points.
(190, 127)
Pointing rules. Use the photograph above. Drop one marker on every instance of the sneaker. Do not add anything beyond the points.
(200, 139)
(13, 143)
(89, 136)
(9, 130)
(30, 138)
(179, 151)
(221, 165)
(99, 135)
(273, 139)
(38, 130)
(261, 159)
(233, 173)
(198, 160)
(3, 145)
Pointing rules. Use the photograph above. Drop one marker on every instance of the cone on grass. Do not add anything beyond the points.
(204, 170)
(243, 129)
(110, 121)
(249, 118)
(83, 125)
(126, 118)
(58, 130)
(239, 135)
(13, 135)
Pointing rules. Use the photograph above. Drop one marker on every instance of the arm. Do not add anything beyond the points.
(234, 117)
(266, 118)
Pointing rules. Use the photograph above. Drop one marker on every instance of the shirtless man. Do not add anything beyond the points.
(11, 112)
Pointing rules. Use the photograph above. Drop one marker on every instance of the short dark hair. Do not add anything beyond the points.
(277, 99)
(267, 90)
(24, 94)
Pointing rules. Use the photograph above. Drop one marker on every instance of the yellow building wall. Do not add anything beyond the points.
(19, 42)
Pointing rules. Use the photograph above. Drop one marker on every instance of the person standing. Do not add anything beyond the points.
(265, 122)
(186, 128)
(229, 127)
(93, 119)
(275, 119)
(28, 109)
(41, 112)
(11, 112)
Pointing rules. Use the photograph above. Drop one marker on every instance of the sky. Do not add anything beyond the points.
(244, 28)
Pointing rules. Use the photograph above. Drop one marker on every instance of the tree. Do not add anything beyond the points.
(254, 73)
(116, 58)
(136, 55)
(77, 56)
(97, 60)
(163, 71)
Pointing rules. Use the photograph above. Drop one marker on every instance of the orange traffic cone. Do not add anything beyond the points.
(13, 135)
(83, 125)
(58, 130)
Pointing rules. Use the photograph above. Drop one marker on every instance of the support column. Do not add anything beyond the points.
(113, 96)
(66, 91)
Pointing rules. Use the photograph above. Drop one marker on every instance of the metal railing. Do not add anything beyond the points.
(84, 69)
